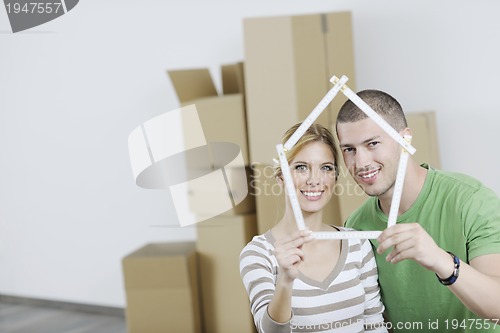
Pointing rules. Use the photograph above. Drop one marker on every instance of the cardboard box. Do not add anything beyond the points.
(223, 117)
(233, 81)
(225, 191)
(192, 84)
(218, 181)
(289, 61)
(162, 289)
(226, 306)
(423, 125)
(424, 130)
(270, 199)
(223, 186)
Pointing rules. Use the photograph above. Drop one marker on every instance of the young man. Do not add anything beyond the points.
(439, 266)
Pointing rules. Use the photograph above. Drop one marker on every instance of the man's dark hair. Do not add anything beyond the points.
(381, 102)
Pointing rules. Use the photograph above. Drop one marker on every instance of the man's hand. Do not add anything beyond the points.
(411, 241)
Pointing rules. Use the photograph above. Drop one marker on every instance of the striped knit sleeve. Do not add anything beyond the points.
(258, 274)
(373, 318)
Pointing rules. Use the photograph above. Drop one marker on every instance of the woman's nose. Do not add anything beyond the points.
(313, 179)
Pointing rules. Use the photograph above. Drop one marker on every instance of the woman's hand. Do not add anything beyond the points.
(288, 252)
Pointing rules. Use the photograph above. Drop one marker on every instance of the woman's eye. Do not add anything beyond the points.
(328, 167)
(300, 167)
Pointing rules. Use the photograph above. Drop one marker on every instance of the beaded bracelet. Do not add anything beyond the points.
(453, 277)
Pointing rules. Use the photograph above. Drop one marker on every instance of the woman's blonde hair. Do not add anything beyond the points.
(315, 133)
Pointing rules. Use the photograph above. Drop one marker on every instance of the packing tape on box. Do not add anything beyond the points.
(213, 174)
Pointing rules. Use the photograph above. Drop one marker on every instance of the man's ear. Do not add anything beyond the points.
(279, 180)
(406, 132)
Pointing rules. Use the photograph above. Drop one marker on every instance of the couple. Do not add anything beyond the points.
(438, 267)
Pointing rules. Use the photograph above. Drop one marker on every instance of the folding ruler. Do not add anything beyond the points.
(407, 148)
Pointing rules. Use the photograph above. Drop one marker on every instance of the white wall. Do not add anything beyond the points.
(72, 90)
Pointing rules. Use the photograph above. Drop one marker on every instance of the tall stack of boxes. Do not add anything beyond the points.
(224, 301)
(289, 61)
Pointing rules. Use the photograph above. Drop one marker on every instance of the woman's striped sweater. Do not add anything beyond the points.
(348, 300)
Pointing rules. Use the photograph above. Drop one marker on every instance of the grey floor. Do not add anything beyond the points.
(22, 318)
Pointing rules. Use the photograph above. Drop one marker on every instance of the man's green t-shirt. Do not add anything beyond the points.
(463, 217)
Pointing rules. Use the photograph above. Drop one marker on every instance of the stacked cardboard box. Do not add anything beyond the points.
(162, 289)
(289, 61)
(221, 238)
(225, 303)
(223, 119)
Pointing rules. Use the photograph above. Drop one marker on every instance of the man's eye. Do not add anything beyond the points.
(348, 150)
(373, 143)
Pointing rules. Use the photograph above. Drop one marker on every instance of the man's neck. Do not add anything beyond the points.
(414, 182)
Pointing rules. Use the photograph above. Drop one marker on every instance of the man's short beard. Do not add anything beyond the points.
(381, 193)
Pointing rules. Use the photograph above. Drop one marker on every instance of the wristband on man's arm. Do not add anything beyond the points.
(454, 276)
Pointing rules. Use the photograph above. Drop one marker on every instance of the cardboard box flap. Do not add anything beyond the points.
(232, 79)
(159, 266)
(190, 84)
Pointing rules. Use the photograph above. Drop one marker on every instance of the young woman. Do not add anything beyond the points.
(298, 284)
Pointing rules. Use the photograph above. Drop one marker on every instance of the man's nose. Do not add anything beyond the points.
(362, 159)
